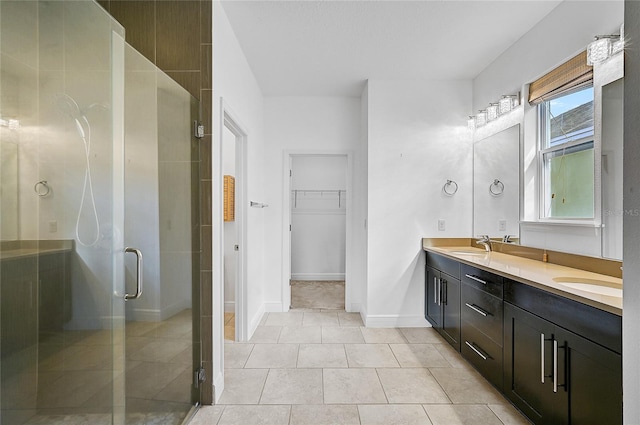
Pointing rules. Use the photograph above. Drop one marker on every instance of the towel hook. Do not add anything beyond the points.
(497, 184)
(42, 188)
(447, 187)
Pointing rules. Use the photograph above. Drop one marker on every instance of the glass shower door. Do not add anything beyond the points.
(161, 218)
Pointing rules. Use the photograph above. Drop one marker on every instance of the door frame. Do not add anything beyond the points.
(230, 120)
(286, 221)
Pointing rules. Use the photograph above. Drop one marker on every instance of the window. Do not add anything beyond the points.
(566, 155)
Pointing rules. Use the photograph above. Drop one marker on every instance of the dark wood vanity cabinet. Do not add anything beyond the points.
(481, 322)
(442, 297)
(553, 374)
(558, 360)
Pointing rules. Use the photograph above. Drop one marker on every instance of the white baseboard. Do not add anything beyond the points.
(317, 276)
(157, 315)
(394, 321)
(229, 306)
(144, 315)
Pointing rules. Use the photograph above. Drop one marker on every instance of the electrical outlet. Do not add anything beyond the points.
(53, 226)
(502, 225)
(441, 225)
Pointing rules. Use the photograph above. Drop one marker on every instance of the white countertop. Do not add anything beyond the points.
(538, 274)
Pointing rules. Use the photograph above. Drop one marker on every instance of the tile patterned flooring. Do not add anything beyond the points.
(316, 367)
(327, 294)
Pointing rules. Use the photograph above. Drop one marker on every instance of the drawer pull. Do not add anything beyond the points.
(477, 279)
(555, 365)
(478, 352)
(476, 309)
(542, 358)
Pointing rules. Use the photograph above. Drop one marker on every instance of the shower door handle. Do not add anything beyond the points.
(138, 274)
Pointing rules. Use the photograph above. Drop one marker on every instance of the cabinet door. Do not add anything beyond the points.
(594, 377)
(432, 295)
(451, 309)
(528, 364)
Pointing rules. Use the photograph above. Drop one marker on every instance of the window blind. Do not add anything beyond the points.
(573, 73)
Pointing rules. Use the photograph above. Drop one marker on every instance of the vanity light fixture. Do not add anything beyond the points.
(10, 123)
(481, 118)
(599, 50)
(471, 123)
(492, 111)
(495, 109)
(605, 46)
(618, 45)
(505, 104)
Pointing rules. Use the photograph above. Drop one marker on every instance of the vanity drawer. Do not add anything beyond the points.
(444, 264)
(483, 280)
(484, 354)
(483, 311)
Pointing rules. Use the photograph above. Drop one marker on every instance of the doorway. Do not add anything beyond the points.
(318, 206)
(233, 143)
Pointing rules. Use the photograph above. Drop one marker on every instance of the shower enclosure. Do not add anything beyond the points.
(98, 165)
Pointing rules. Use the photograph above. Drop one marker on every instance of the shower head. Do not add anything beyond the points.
(65, 104)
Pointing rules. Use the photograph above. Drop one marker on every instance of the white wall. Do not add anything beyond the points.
(318, 219)
(235, 83)
(547, 45)
(305, 125)
(417, 139)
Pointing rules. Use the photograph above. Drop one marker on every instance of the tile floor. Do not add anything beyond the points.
(229, 327)
(323, 367)
(327, 294)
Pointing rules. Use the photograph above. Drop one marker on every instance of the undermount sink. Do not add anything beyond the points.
(595, 286)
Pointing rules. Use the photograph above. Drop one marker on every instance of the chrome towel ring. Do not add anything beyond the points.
(496, 188)
(42, 188)
(450, 187)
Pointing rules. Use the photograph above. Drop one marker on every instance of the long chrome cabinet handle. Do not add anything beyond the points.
(138, 274)
(542, 358)
(477, 279)
(478, 352)
(435, 290)
(555, 365)
(476, 309)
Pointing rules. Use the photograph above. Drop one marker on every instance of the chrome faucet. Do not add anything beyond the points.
(485, 241)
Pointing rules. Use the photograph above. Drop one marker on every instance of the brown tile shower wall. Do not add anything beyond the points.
(176, 36)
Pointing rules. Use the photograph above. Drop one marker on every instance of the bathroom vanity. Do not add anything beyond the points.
(548, 336)
(35, 291)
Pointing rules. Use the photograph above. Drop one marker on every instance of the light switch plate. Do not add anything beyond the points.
(53, 226)
(441, 225)
(502, 225)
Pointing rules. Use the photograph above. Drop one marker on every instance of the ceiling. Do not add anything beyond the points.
(330, 48)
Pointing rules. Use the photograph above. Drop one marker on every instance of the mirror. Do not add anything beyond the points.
(9, 190)
(496, 184)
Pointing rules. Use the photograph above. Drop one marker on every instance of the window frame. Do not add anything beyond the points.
(542, 149)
